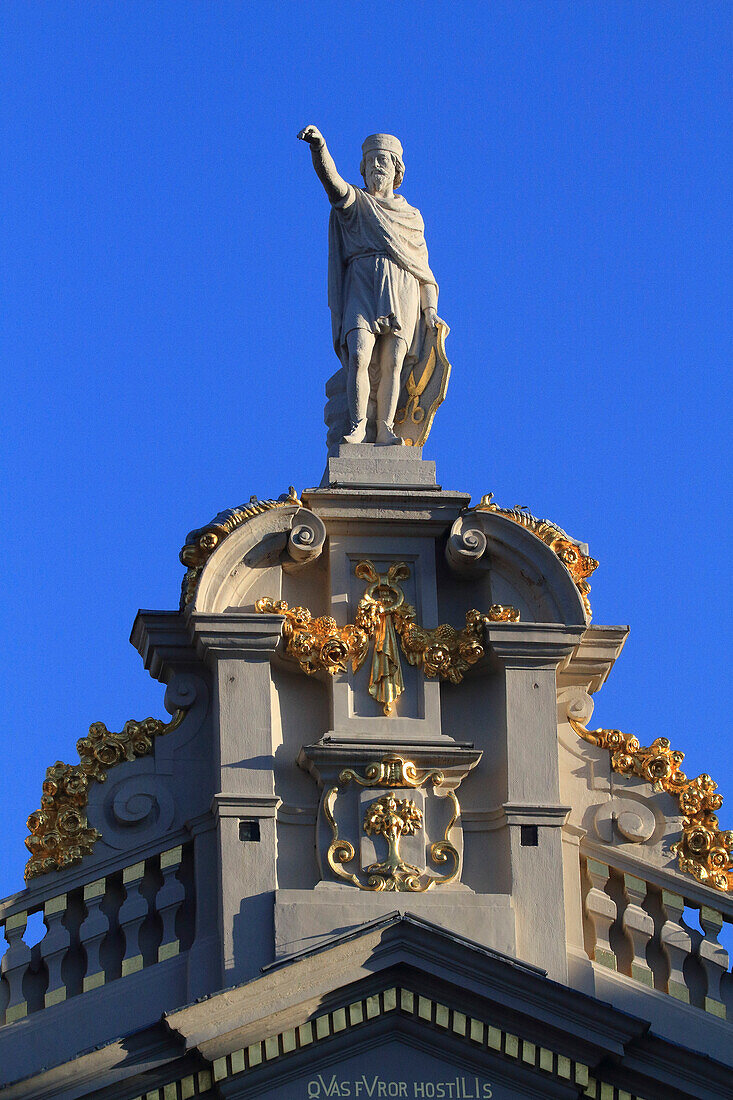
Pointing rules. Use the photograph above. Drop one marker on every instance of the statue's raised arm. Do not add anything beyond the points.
(383, 299)
(335, 187)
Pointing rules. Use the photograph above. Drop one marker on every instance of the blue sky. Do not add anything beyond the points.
(166, 339)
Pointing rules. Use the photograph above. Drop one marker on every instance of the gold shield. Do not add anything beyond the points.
(423, 389)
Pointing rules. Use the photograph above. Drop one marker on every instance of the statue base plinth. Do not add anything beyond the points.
(366, 466)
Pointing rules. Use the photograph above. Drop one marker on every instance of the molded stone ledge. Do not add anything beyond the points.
(235, 634)
(514, 813)
(532, 645)
(163, 641)
(325, 759)
(590, 663)
(419, 512)
(244, 805)
(517, 813)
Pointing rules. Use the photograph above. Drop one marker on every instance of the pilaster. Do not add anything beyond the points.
(238, 647)
(529, 655)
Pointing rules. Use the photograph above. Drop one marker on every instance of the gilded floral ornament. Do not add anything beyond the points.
(391, 818)
(384, 615)
(201, 543)
(60, 832)
(318, 645)
(704, 850)
(568, 550)
(449, 653)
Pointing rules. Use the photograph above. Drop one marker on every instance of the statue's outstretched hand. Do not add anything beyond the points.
(313, 136)
(431, 317)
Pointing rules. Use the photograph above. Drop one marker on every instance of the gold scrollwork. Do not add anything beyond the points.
(390, 771)
(704, 850)
(579, 565)
(383, 614)
(392, 818)
(60, 832)
(201, 543)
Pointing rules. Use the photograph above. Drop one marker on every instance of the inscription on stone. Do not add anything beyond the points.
(458, 1088)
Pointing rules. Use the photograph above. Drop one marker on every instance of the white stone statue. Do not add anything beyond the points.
(382, 294)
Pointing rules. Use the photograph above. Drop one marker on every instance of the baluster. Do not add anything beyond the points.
(602, 912)
(677, 944)
(168, 902)
(714, 959)
(54, 946)
(15, 962)
(133, 912)
(640, 927)
(93, 930)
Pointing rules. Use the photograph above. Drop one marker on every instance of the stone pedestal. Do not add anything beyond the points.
(364, 466)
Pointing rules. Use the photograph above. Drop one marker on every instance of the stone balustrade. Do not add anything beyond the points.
(131, 919)
(647, 932)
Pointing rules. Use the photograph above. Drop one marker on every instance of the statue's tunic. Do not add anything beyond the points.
(377, 265)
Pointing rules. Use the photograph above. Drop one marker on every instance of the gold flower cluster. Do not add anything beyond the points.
(704, 850)
(60, 832)
(318, 645)
(449, 653)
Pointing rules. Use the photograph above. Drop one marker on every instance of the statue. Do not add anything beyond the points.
(383, 299)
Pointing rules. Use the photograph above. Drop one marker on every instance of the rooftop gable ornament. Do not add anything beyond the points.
(383, 299)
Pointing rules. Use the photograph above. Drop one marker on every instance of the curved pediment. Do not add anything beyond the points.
(232, 552)
(533, 564)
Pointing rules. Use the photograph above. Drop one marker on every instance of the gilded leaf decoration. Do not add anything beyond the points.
(60, 833)
(704, 850)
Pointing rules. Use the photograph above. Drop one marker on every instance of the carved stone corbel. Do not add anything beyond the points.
(466, 545)
(305, 541)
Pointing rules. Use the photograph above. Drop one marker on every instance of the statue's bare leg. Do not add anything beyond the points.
(360, 343)
(392, 350)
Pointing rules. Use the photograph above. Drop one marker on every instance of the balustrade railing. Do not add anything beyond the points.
(96, 933)
(640, 929)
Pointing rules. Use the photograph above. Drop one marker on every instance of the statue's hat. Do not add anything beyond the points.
(382, 141)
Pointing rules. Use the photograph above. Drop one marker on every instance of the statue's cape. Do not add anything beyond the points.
(391, 226)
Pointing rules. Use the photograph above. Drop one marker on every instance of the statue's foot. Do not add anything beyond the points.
(386, 437)
(357, 433)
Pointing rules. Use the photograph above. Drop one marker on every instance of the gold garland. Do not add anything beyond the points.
(318, 645)
(704, 850)
(579, 565)
(60, 831)
(447, 652)
(383, 614)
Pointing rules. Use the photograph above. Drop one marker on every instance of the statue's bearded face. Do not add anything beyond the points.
(379, 171)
